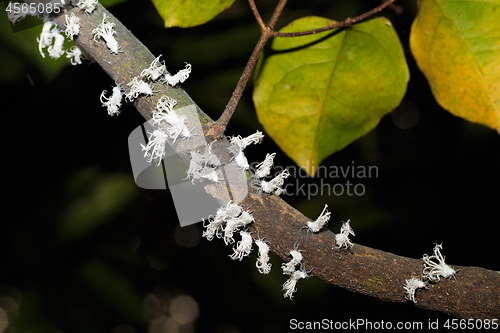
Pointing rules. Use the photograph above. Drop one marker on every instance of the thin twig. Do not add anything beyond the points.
(276, 14)
(347, 22)
(256, 13)
(219, 127)
(396, 8)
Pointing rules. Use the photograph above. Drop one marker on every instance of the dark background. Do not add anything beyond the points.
(83, 249)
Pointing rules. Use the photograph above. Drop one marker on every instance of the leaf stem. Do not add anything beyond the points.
(347, 22)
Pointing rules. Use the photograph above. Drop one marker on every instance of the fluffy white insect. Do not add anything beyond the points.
(138, 87)
(203, 165)
(244, 246)
(262, 262)
(234, 223)
(231, 210)
(199, 168)
(51, 37)
(435, 270)
(74, 54)
(45, 38)
(237, 144)
(106, 32)
(216, 223)
(155, 70)
(156, 145)
(165, 113)
(239, 157)
(274, 185)
(320, 222)
(56, 49)
(114, 102)
(289, 285)
(166, 104)
(231, 226)
(246, 218)
(242, 143)
(213, 228)
(88, 6)
(264, 167)
(72, 26)
(411, 286)
(178, 127)
(211, 175)
(342, 239)
(289, 267)
(181, 76)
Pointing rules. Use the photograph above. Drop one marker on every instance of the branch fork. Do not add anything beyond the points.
(216, 131)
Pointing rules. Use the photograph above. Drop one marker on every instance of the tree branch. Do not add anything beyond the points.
(475, 293)
(219, 127)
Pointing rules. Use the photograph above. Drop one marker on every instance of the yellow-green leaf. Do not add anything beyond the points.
(457, 46)
(189, 13)
(319, 93)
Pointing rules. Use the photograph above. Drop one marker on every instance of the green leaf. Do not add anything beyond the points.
(457, 46)
(189, 13)
(319, 93)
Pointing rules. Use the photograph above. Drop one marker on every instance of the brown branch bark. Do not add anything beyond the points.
(475, 293)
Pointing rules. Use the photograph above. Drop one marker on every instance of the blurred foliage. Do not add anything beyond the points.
(456, 45)
(189, 13)
(106, 195)
(66, 160)
(20, 50)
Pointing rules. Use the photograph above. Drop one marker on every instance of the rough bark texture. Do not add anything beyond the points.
(475, 293)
